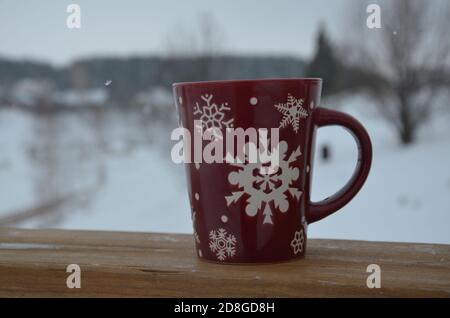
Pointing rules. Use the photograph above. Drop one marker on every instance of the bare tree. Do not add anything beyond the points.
(408, 59)
(211, 40)
(202, 44)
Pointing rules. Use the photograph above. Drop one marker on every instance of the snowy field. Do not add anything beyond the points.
(119, 176)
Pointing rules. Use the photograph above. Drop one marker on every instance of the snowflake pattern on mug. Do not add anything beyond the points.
(222, 244)
(263, 187)
(212, 115)
(194, 223)
(305, 224)
(298, 241)
(292, 111)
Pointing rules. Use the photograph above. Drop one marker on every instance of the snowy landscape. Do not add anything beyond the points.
(86, 117)
(113, 171)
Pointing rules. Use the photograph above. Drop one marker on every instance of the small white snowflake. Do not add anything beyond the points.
(264, 189)
(298, 241)
(212, 115)
(292, 111)
(222, 243)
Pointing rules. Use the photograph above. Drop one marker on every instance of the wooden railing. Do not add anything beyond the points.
(34, 263)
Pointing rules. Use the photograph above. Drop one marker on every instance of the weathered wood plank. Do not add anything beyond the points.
(33, 263)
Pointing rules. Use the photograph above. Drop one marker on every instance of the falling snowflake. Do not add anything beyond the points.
(292, 111)
(262, 186)
(212, 115)
(298, 241)
(108, 82)
(222, 243)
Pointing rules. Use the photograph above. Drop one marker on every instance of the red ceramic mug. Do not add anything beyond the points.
(241, 215)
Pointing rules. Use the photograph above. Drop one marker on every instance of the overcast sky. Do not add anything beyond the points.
(37, 29)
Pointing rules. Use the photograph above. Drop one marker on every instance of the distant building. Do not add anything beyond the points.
(156, 97)
(79, 98)
(157, 102)
(31, 92)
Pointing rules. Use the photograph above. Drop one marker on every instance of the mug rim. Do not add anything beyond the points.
(240, 81)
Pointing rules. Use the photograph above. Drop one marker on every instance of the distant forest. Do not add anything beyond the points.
(132, 77)
(135, 74)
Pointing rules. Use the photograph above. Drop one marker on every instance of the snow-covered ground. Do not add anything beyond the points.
(407, 194)
(406, 197)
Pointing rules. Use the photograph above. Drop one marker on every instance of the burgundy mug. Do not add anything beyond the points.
(242, 214)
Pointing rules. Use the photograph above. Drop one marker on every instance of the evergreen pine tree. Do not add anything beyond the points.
(325, 64)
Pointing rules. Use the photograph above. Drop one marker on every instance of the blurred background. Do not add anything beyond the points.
(86, 113)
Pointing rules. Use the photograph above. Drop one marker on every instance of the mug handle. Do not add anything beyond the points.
(326, 117)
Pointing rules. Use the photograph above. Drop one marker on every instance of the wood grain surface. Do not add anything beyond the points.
(33, 264)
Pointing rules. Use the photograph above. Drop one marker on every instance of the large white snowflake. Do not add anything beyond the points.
(261, 185)
(292, 111)
(212, 115)
(222, 243)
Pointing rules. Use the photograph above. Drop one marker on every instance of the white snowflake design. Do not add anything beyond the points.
(292, 111)
(194, 223)
(197, 238)
(212, 115)
(222, 243)
(262, 186)
(305, 224)
(298, 241)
